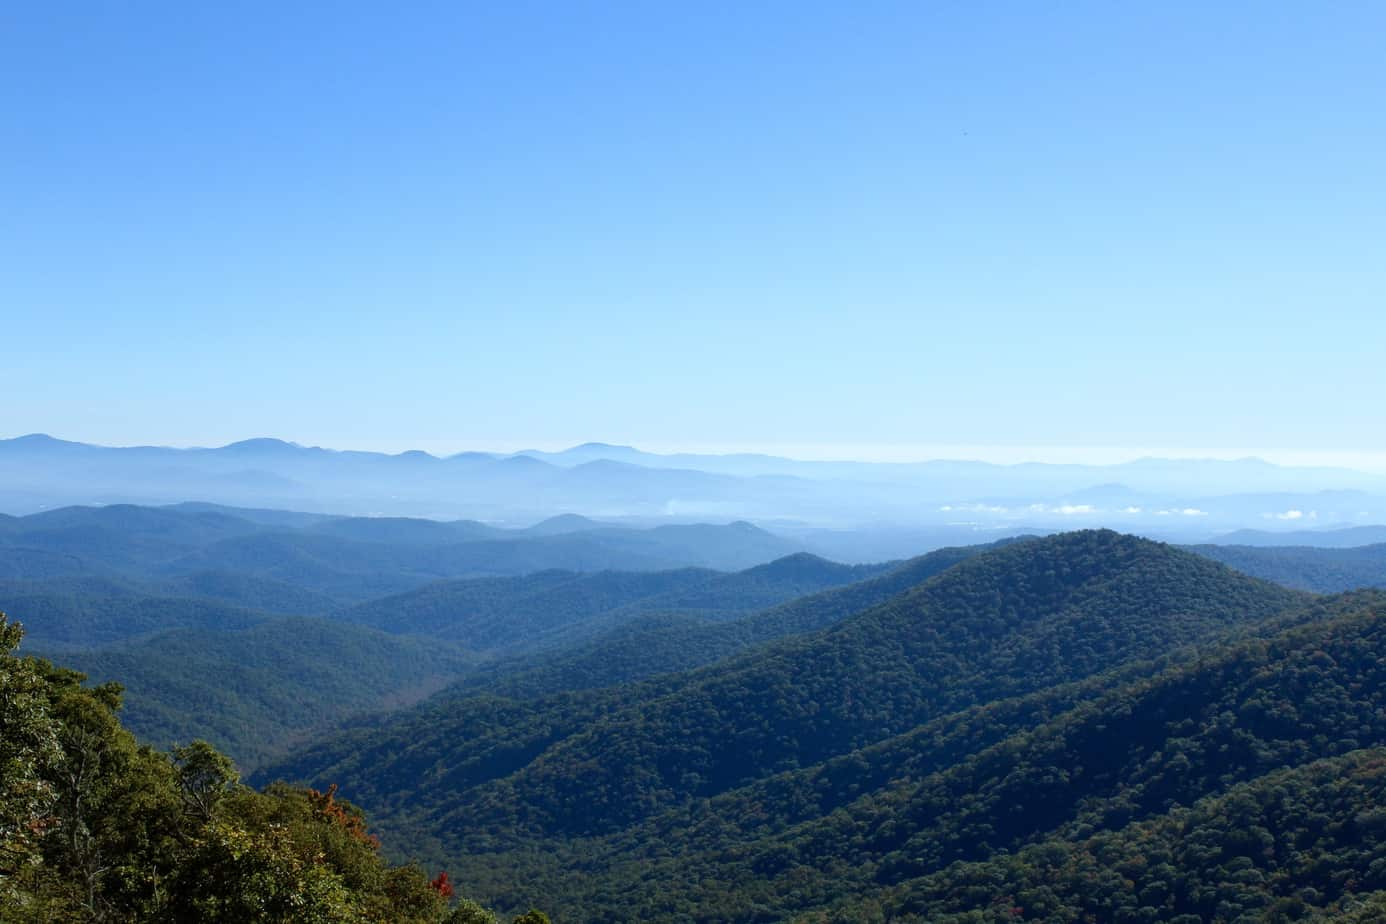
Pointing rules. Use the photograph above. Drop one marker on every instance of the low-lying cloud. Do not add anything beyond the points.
(1292, 514)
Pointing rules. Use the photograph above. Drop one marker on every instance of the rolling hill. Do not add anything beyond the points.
(664, 642)
(253, 691)
(580, 768)
(349, 560)
(1322, 570)
(1080, 726)
(549, 607)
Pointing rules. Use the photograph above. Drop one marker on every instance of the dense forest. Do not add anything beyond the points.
(1081, 727)
(1323, 570)
(220, 624)
(97, 827)
(658, 778)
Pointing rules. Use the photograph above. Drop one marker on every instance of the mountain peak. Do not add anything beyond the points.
(600, 447)
(563, 523)
(38, 441)
(261, 444)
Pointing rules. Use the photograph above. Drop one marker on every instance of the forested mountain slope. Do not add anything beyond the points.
(1097, 776)
(1322, 570)
(255, 691)
(63, 613)
(967, 733)
(1342, 538)
(500, 614)
(95, 827)
(1229, 723)
(1002, 624)
(665, 642)
(1304, 843)
(254, 682)
(997, 625)
(350, 558)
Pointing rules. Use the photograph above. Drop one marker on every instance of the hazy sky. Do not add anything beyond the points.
(861, 227)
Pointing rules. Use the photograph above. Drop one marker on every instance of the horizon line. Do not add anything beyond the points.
(1002, 455)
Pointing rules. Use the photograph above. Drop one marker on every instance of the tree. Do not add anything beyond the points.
(205, 777)
(95, 827)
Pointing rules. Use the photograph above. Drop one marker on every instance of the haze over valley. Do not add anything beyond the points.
(852, 511)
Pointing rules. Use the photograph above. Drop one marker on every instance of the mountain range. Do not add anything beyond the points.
(707, 722)
(962, 747)
(849, 510)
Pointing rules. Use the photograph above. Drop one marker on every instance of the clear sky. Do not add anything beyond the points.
(855, 228)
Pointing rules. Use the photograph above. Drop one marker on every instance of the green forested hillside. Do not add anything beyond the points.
(1096, 777)
(510, 711)
(565, 768)
(997, 625)
(981, 784)
(1086, 726)
(254, 682)
(95, 827)
(1265, 841)
(264, 594)
(65, 613)
(499, 612)
(665, 642)
(1322, 570)
(505, 614)
(253, 692)
(1305, 843)
(352, 558)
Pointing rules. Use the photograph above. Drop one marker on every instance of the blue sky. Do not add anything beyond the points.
(871, 229)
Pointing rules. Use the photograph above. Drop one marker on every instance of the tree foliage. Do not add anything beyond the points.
(95, 827)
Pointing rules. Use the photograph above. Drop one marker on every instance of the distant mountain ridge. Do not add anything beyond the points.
(1191, 498)
(534, 611)
(1322, 570)
(1347, 537)
(219, 623)
(350, 559)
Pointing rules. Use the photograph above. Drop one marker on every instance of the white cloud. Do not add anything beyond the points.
(976, 508)
(1131, 510)
(1075, 509)
(1292, 514)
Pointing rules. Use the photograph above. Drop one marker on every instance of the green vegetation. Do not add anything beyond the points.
(67, 613)
(194, 608)
(1319, 570)
(254, 683)
(666, 642)
(1083, 727)
(509, 614)
(254, 692)
(95, 827)
(347, 559)
(615, 779)
(1258, 842)
(1070, 804)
